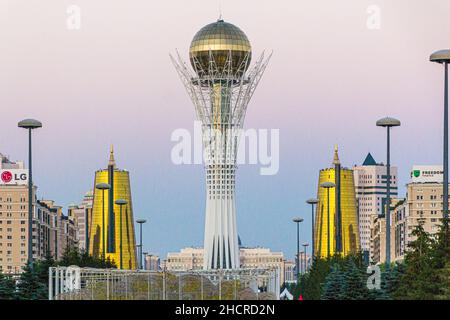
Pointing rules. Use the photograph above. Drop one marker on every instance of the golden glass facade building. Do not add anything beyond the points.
(119, 180)
(341, 196)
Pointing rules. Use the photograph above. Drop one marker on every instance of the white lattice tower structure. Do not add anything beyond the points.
(220, 88)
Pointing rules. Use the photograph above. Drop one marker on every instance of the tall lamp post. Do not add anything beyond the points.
(388, 123)
(443, 57)
(312, 202)
(141, 222)
(103, 187)
(305, 245)
(298, 220)
(328, 186)
(30, 124)
(121, 203)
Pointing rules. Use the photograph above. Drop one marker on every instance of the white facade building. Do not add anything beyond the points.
(370, 188)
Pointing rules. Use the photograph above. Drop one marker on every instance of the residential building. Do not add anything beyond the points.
(250, 258)
(289, 271)
(82, 214)
(187, 259)
(370, 188)
(152, 262)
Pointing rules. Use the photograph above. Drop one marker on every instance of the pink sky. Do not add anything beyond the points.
(329, 80)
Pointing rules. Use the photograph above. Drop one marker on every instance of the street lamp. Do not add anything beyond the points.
(443, 57)
(298, 220)
(141, 222)
(328, 186)
(388, 123)
(30, 124)
(121, 203)
(312, 202)
(304, 250)
(103, 187)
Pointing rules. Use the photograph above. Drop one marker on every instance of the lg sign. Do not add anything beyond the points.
(18, 176)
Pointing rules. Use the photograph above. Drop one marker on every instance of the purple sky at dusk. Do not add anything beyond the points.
(329, 80)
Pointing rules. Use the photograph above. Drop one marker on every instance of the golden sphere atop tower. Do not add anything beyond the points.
(222, 39)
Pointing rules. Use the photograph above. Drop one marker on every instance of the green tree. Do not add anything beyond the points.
(354, 281)
(30, 286)
(43, 266)
(389, 282)
(315, 278)
(333, 288)
(7, 287)
(441, 246)
(441, 259)
(83, 259)
(422, 277)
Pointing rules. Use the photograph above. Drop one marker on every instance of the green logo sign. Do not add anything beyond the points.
(416, 173)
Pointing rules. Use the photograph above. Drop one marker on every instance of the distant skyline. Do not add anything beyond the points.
(112, 82)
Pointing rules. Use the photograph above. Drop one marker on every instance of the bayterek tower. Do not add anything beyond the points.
(220, 84)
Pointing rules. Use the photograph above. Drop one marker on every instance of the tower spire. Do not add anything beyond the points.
(336, 155)
(220, 11)
(112, 162)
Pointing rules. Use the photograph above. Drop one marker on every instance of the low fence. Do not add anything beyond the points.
(74, 283)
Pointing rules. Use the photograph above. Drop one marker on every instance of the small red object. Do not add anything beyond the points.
(300, 298)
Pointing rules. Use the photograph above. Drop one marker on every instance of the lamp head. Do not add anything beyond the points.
(327, 185)
(312, 201)
(388, 122)
(141, 221)
(441, 56)
(297, 220)
(121, 202)
(29, 124)
(102, 186)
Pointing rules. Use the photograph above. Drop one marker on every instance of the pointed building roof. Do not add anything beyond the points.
(336, 156)
(112, 162)
(369, 161)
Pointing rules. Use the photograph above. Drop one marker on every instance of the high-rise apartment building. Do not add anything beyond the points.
(82, 215)
(424, 199)
(52, 232)
(423, 205)
(399, 236)
(66, 230)
(370, 188)
(13, 215)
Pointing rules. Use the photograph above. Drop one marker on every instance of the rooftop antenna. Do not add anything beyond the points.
(220, 11)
